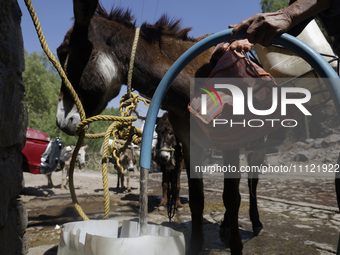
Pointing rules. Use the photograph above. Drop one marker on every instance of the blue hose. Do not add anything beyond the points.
(302, 49)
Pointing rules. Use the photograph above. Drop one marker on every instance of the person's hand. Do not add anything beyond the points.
(241, 45)
(219, 51)
(263, 27)
(238, 45)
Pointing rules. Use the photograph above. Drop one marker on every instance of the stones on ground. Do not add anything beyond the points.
(331, 139)
(303, 156)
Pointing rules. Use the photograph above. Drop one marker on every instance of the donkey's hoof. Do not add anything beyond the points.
(195, 249)
(179, 208)
(224, 234)
(257, 230)
(236, 252)
(161, 208)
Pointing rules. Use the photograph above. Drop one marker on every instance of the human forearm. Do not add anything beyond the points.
(304, 9)
(263, 27)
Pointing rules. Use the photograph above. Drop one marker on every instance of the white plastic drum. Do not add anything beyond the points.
(101, 237)
(283, 63)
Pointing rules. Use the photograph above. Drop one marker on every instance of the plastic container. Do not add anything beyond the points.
(102, 237)
(283, 63)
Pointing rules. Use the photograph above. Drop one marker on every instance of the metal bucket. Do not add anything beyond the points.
(104, 237)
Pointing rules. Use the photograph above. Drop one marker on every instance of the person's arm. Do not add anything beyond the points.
(304, 9)
(262, 28)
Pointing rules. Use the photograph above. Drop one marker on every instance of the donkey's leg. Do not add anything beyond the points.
(49, 180)
(63, 177)
(179, 167)
(165, 185)
(254, 159)
(67, 177)
(122, 177)
(337, 189)
(196, 203)
(195, 181)
(118, 178)
(128, 181)
(337, 184)
(232, 200)
(196, 199)
(253, 210)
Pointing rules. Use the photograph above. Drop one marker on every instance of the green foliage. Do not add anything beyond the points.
(42, 88)
(273, 5)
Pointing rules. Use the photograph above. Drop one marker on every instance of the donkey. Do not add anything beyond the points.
(169, 156)
(128, 162)
(65, 161)
(95, 54)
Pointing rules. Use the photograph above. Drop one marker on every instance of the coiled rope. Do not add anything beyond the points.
(121, 129)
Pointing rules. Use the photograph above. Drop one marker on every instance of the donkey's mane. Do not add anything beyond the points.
(151, 32)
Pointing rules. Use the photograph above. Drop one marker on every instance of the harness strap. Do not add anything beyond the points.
(167, 149)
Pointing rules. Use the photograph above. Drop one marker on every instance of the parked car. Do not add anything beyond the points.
(40, 155)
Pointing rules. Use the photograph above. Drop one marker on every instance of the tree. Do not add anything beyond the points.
(42, 88)
(273, 5)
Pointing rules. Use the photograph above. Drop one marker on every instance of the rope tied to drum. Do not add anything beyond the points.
(121, 129)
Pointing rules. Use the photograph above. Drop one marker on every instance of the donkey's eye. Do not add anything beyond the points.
(62, 55)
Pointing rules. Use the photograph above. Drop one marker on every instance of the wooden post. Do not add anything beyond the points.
(143, 201)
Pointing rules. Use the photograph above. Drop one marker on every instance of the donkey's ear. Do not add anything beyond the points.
(83, 11)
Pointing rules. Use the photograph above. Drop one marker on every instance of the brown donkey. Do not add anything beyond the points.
(169, 156)
(95, 54)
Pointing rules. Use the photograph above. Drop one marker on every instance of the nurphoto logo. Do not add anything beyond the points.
(242, 104)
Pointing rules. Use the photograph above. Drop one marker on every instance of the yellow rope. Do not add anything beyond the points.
(71, 182)
(132, 60)
(104, 172)
(121, 128)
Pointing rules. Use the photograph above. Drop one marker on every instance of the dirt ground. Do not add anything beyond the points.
(299, 216)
